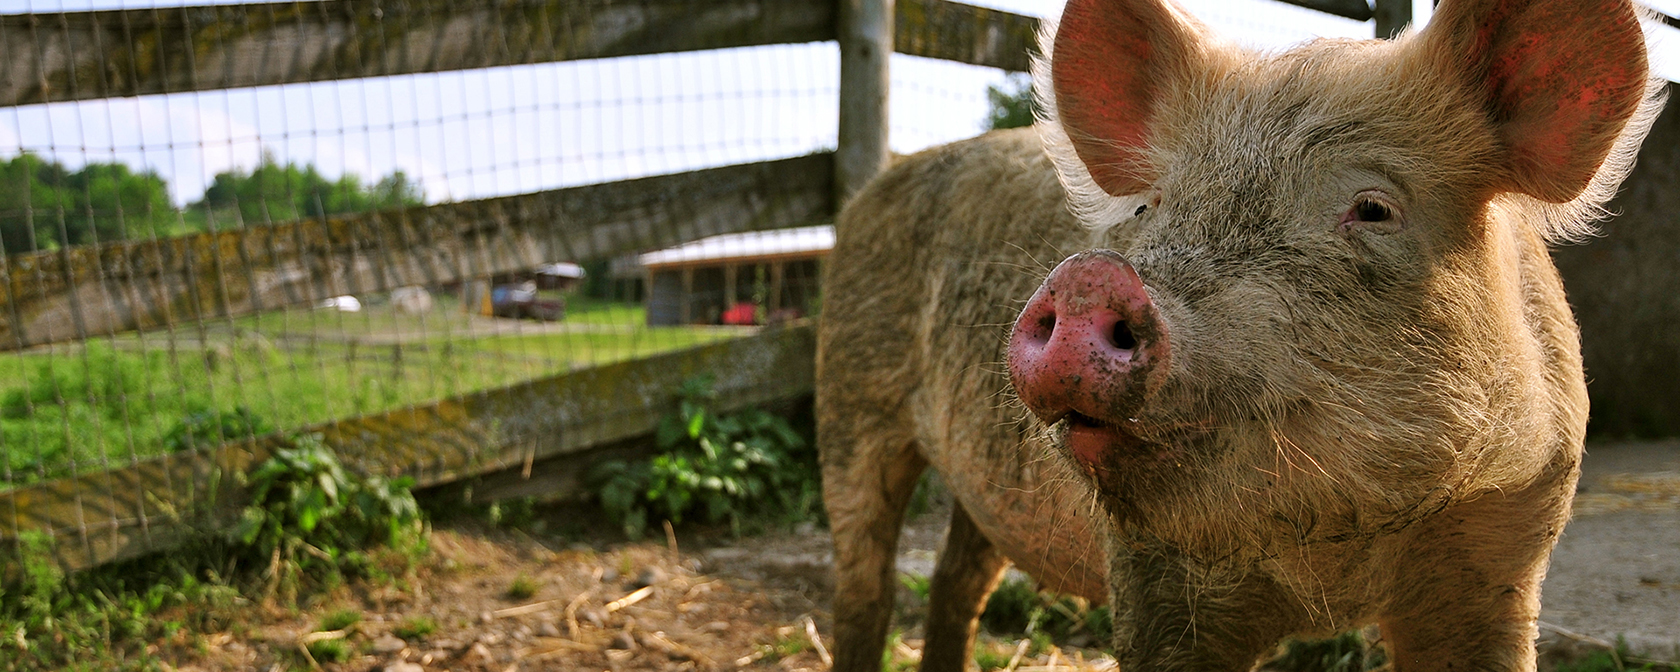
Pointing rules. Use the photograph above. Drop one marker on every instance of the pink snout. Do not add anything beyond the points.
(1089, 343)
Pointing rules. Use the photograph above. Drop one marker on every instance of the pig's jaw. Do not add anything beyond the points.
(1109, 451)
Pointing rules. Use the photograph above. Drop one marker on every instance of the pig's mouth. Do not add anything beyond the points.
(1095, 443)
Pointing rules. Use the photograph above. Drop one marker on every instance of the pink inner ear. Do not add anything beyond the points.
(1564, 80)
(1106, 60)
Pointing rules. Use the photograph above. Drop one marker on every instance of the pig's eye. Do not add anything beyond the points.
(1371, 211)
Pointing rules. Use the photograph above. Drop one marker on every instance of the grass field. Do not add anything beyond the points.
(80, 408)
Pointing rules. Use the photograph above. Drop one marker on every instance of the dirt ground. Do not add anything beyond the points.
(761, 602)
(718, 603)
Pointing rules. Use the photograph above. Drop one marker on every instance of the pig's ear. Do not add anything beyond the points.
(1111, 62)
(1560, 81)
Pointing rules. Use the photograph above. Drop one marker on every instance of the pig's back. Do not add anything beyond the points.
(931, 265)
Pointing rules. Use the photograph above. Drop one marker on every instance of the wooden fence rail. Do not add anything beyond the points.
(136, 52)
(71, 56)
(83, 292)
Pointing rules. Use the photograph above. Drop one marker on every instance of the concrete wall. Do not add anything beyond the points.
(1625, 288)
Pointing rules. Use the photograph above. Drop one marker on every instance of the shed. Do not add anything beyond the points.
(737, 278)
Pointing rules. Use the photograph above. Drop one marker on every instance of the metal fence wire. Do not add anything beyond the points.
(450, 237)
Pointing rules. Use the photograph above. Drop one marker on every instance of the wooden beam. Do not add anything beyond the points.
(82, 292)
(1392, 17)
(1358, 10)
(86, 55)
(153, 504)
(954, 31)
(964, 33)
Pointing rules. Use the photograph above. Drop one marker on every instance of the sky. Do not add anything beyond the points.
(492, 132)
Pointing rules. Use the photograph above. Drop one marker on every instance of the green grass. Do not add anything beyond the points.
(75, 409)
(340, 619)
(522, 587)
(415, 627)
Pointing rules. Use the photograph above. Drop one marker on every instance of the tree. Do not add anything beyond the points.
(1012, 104)
(43, 205)
(272, 192)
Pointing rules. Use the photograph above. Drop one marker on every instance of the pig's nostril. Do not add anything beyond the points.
(1123, 338)
(1047, 325)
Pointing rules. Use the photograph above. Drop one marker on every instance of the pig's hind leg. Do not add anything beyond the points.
(969, 569)
(868, 480)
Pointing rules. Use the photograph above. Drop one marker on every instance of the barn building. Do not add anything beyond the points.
(737, 278)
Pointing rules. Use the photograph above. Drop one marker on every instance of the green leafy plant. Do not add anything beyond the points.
(204, 427)
(1346, 652)
(723, 466)
(1017, 607)
(307, 512)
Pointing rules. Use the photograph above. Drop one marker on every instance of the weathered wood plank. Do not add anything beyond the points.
(1358, 10)
(954, 31)
(87, 55)
(964, 33)
(79, 292)
(149, 506)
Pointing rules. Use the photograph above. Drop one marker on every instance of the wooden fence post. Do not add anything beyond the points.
(1392, 16)
(866, 42)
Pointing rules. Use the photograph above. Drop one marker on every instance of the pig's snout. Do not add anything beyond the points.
(1089, 342)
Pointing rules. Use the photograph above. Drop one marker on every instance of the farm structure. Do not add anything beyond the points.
(737, 279)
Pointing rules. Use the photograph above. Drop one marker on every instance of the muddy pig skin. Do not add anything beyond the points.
(1303, 364)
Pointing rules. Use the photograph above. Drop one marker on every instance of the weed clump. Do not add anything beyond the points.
(310, 524)
(415, 627)
(523, 587)
(725, 466)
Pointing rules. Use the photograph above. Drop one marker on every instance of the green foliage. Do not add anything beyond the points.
(724, 466)
(890, 660)
(1346, 652)
(522, 587)
(415, 627)
(309, 516)
(1017, 607)
(51, 620)
(101, 377)
(275, 193)
(989, 658)
(340, 619)
(920, 586)
(1011, 105)
(330, 651)
(44, 205)
(206, 427)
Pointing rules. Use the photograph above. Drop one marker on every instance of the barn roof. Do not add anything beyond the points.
(803, 241)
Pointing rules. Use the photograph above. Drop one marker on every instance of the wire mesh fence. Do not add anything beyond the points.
(450, 237)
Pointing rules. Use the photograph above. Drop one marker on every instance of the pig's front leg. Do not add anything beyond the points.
(1171, 613)
(1467, 594)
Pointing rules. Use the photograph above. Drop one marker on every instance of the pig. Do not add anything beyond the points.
(1304, 364)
